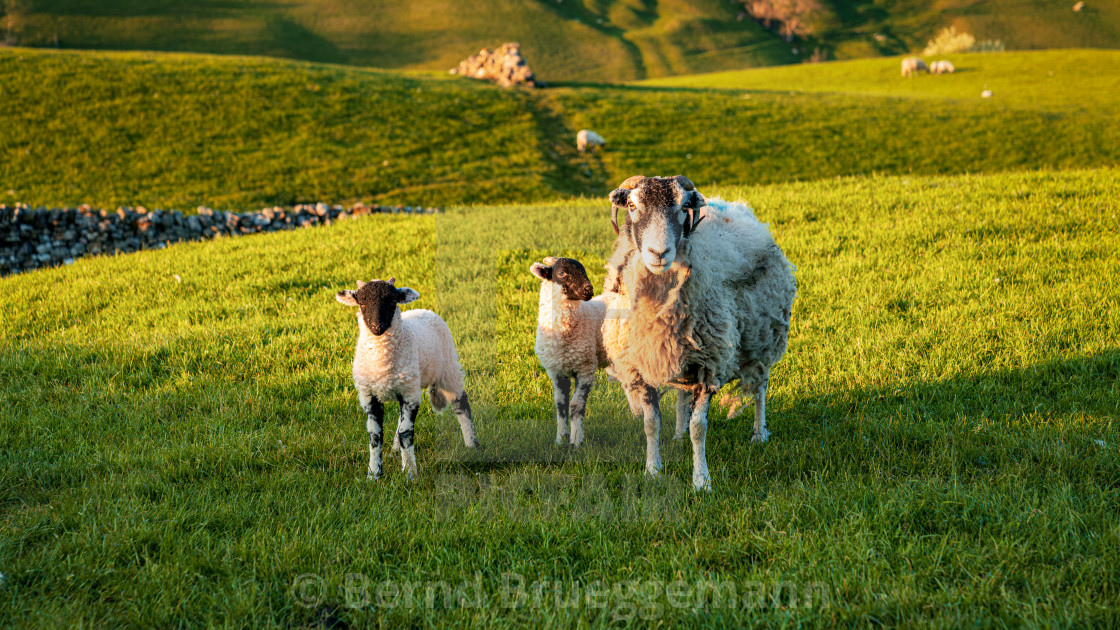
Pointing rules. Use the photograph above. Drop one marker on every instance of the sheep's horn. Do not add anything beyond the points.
(614, 219)
(632, 182)
(685, 182)
(694, 219)
(392, 280)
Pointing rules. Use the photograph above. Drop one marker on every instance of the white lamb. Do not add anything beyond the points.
(569, 339)
(912, 66)
(942, 66)
(706, 304)
(397, 356)
(587, 138)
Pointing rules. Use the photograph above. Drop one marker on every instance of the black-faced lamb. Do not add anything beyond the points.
(569, 340)
(707, 296)
(397, 357)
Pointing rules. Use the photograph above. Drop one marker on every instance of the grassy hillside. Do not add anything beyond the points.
(176, 451)
(588, 40)
(604, 41)
(177, 131)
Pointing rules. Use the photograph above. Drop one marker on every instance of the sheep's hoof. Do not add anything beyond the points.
(760, 436)
(372, 476)
(653, 470)
(577, 439)
(561, 439)
(701, 483)
(679, 435)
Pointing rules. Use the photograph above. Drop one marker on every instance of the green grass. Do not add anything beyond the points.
(178, 131)
(1051, 80)
(601, 40)
(177, 452)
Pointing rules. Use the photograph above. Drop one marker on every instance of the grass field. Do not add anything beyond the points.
(175, 452)
(178, 131)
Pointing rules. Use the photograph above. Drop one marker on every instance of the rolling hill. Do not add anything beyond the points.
(178, 130)
(586, 40)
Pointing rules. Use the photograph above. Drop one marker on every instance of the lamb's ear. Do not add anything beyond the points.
(540, 271)
(619, 196)
(406, 295)
(346, 297)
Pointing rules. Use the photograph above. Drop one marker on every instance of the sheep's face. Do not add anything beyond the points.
(568, 273)
(660, 213)
(378, 301)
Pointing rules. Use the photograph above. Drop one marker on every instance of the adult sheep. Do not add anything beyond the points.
(587, 138)
(943, 66)
(912, 66)
(703, 296)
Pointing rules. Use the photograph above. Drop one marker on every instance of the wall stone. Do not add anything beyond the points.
(42, 237)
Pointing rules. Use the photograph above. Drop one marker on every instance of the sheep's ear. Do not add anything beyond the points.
(619, 196)
(406, 295)
(541, 271)
(685, 182)
(360, 284)
(693, 199)
(346, 297)
(392, 281)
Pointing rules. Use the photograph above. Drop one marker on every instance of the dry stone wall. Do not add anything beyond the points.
(37, 238)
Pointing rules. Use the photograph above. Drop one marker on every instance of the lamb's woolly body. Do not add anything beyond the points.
(587, 138)
(912, 66)
(569, 341)
(416, 352)
(570, 346)
(732, 314)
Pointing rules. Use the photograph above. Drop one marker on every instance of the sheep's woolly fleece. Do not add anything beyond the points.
(723, 314)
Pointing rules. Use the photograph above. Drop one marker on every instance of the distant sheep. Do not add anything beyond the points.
(569, 340)
(942, 66)
(587, 138)
(396, 358)
(912, 66)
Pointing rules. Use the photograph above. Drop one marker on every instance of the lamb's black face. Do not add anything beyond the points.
(569, 274)
(378, 301)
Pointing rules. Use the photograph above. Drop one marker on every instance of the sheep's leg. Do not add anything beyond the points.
(684, 413)
(760, 432)
(561, 388)
(374, 417)
(648, 397)
(461, 407)
(698, 429)
(584, 382)
(406, 434)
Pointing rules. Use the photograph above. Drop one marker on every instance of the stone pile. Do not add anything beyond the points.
(35, 238)
(506, 67)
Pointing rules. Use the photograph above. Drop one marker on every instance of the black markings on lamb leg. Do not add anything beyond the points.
(563, 389)
(650, 395)
(461, 405)
(375, 415)
(408, 414)
(583, 389)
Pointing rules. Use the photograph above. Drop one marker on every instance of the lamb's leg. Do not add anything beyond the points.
(648, 397)
(698, 428)
(375, 414)
(406, 434)
(461, 407)
(760, 432)
(584, 382)
(684, 413)
(561, 388)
